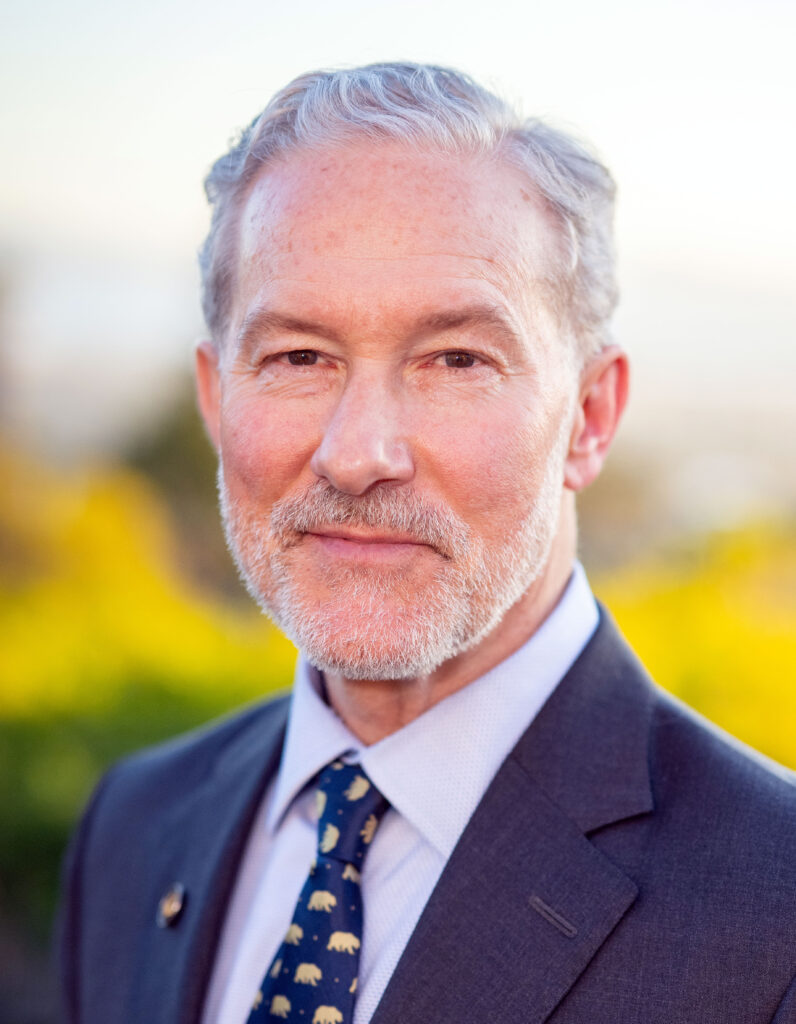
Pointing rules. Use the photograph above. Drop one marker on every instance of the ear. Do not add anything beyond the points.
(208, 388)
(603, 394)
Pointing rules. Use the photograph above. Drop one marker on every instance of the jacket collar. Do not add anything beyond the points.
(588, 747)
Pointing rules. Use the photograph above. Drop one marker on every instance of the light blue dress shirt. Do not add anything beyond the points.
(433, 771)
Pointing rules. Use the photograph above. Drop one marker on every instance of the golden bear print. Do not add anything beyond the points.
(320, 899)
(258, 999)
(343, 942)
(351, 873)
(369, 828)
(295, 934)
(280, 1006)
(353, 987)
(327, 1015)
(357, 789)
(308, 974)
(330, 836)
(320, 802)
(277, 967)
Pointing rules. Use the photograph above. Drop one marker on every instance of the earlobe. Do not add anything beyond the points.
(208, 388)
(603, 394)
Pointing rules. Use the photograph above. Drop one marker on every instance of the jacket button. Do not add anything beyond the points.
(171, 905)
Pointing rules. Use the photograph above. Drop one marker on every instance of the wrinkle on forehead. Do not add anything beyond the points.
(318, 213)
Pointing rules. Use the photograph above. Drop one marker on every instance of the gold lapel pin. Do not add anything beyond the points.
(171, 905)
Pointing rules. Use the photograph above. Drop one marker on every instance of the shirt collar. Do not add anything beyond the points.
(459, 743)
(315, 736)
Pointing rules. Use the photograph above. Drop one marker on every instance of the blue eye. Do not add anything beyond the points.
(302, 357)
(459, 360)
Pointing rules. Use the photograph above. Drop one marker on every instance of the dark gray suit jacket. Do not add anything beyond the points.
(627, 865)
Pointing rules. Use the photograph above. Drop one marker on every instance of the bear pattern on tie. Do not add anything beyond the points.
(313, 977)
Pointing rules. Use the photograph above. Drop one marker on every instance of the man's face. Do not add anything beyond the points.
(395, 404)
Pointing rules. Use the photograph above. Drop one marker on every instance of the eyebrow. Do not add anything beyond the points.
(264, 322)
(487, 316)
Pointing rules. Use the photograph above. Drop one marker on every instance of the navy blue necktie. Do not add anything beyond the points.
(313, 977)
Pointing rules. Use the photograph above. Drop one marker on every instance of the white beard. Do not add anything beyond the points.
(399, 629)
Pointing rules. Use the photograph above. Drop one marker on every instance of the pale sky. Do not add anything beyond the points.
(111, 114)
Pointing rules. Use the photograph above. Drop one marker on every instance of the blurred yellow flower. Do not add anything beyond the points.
(717, 627)
(92, 599)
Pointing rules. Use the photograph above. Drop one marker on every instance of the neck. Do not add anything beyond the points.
(375, 708)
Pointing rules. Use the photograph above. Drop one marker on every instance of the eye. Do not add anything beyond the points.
(302, 357)
(459, 360)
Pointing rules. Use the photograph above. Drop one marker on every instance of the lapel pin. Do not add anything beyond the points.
(171, 906)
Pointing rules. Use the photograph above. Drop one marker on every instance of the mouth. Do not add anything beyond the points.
(366, 537)
(373, 547)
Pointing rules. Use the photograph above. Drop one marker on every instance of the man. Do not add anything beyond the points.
(409, 377)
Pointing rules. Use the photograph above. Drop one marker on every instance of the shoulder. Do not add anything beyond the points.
(697, 771)
(689, 757)
(718, 843)
(165, 774)
(612, 745)
(702, 774)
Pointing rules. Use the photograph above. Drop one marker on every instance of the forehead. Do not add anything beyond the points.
(379, 224)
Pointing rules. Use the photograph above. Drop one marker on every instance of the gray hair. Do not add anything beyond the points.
(428, 107)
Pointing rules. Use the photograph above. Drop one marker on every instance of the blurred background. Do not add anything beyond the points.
(121, 620)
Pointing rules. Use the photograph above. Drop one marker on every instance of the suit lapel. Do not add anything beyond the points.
(202, 845)
(527, 899)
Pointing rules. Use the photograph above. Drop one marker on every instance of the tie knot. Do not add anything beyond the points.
(349, 811)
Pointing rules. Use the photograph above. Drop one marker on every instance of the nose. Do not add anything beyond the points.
(363, 443)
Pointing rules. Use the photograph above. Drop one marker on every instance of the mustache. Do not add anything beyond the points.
(382, 507)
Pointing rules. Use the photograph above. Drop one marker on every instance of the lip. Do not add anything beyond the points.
(353, 537)
(371, 548)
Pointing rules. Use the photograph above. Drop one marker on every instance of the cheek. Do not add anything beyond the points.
(263, 446)
(489, 463)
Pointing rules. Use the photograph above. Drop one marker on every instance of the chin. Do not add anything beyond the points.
(370, 629)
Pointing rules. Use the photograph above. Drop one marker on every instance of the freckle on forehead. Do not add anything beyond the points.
(361, 201)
